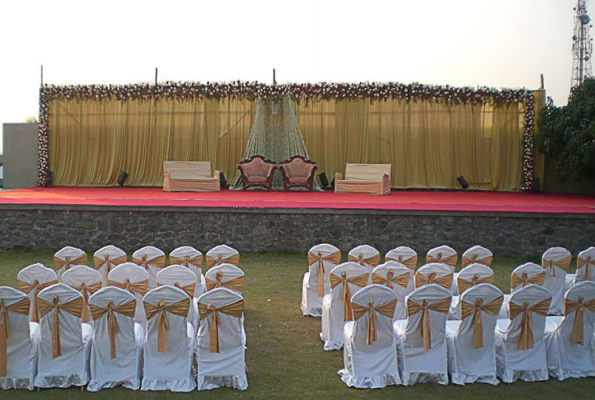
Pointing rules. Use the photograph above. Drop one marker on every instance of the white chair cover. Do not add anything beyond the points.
(366, 256)
(225, 275)
(513, 360)
(472, 359)
(370, 352)
(443, 254)
(416, 364)
(171, 369)
(32, 280)
(226, 367)
(399, 279)
(333, 306)
(126, 366)
(404, 255)
(190, 258)
(322, 258)
(152, 259)
(182, 278)
(556, 262)
(567, 357)
(585, 266)
(67, 257)
(522, 276)
(437, 273)
(71, 367)
(107, 258)
(222, 254)
(477, 255)
(135, 279)
(87, 281)
(23, 337)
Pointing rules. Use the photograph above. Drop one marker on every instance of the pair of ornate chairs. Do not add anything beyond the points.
(296, 172)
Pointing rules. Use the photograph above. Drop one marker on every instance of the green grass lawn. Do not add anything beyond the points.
(285, 357)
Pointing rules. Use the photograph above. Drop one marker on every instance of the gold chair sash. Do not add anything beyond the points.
(450, 260)
(441, 306)
(588, 262)
(20, 307)
(411, 262)
(563, 263)
(524, 279)
(487, 261)
(464, 284)
(86, 291)
(236, 284)
(334, 258)
(107, 261)
(387, 309)
(140, 287)
(579, 307)
(234, 309)
(526, 336)
(157, 262)
(69, 262)
(188, 289)
(113, 329)
(180, 309)
(186, 260)
(26, 288)
(373, 261)
(444, 281)
(358, 280)
(74, 307)
(493, 308)
(401, 280)
(212, 261)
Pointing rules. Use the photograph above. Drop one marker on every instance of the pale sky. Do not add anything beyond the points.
(496, 43)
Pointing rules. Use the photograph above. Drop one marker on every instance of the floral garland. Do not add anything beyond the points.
(306, 91)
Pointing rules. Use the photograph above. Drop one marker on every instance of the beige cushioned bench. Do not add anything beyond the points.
(364, 178)
(189, 176)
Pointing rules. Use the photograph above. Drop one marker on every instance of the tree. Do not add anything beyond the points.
(567, 134)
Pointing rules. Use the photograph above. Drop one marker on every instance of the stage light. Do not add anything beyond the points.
(222, 181)
(535, 185)
(49, 178)
(463, 182)
(323, 180)
(122, 178)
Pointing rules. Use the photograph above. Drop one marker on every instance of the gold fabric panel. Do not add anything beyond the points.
(236, 284)
(563, 263)
(358, 280)
(493, 307)
(333, 258)
(180, 309)
(450, 260)
(113, 329)
(401, 280)
(106, 260)
(186, 260)
(158, 262)
(234, 309)
(386, 309)
(373, 261)
(138, 287)
(212, 261)
(524, 279)
(20, 307)
(578, 306)
(444, 281)
(465, 284)
(86, 291)
(69, 262)
(409, 263)
(526, 336)
(188, 289)
(588, 262)
(441, 306)
(487, 261)
(26, 288)
(74, 307)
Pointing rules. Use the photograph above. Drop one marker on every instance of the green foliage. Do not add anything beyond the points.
(567, 134)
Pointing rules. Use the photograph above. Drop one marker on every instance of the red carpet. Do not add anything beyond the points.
(400, 200)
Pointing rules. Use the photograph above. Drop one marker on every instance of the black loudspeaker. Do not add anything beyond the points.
(222, 181)
(323, 180)
(122, 178)
(535, 185)
(49, 178)
(463, 182)
(333, 184)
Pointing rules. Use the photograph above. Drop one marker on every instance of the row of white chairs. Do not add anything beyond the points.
(113, 348)
(479, 347)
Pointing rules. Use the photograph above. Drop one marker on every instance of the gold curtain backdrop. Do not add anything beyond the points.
(429, 145)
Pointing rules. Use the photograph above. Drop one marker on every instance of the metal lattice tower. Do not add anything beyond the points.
(582, 45)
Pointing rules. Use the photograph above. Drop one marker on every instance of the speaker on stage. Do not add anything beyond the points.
(49, 178)
(222, 181)
(463, 182)
(333, 184)
(535, 185)
(122, 178)
(323, 180)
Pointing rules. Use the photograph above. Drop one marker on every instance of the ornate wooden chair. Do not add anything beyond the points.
(298, 172)
(257, 171)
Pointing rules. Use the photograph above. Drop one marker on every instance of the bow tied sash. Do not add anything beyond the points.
(401, 280)
(493, 308)
(371, 261)
(157, 262)
(526, 336)
(73, 307)
(465, 284)
(188, 289)
(180, 309)
(20, 307)
(524, 279)
(186, 261)
(140, 287)
(563, 263)
(579, 307)
(234, 309)
(236, 284)
(450, 260)
(487, 261)
(108, 262)
(587, 263)
(333, 259)
(86, 290)
(68, 261)
(444, 281)
(38, 287)
(358, 280)
(386, 309)
(442, 306)
(233, 259)
(410, 262)
(113, 329)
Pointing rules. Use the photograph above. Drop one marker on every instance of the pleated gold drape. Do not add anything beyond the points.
(429, 145)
